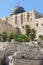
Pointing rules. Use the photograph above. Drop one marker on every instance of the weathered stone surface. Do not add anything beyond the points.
(22, 54)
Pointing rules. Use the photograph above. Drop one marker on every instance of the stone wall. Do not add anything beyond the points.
(22, 53)
(28, 62)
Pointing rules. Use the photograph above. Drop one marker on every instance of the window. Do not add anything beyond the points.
(21, 19)
(37, 24)
(27, 16)
(16, 19)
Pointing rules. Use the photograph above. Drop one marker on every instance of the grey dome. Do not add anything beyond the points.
(17, 10)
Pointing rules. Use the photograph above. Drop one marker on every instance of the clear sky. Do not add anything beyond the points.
(7, 5)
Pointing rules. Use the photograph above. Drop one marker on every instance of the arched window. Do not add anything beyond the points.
(27, 16)
(15, 19)
(21, 18)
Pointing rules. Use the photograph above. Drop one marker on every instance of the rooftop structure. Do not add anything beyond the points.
(17, 10)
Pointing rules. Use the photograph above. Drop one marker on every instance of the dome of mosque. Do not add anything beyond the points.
(17, 10)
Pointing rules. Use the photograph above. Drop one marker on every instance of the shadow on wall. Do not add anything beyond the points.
(5, 61)
(17, 30)
(41, 62)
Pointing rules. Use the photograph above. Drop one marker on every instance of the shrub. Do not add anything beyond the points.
(20, 38)
(3, 36)
(10, 36)
(40, 37)
(27, 29)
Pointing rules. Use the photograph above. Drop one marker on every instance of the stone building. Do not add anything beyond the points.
(19, 18)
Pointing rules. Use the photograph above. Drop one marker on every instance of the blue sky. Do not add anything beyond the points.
(7, 5)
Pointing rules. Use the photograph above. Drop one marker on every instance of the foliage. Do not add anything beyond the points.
(32, 34)
(32, 31)
(10, 36)
(0, 37)
(40, 37)
(3, 36)
(20, 38)
(27, 29)
(17, 37)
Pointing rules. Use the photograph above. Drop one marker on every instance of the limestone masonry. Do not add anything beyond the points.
(19, 18)
(15, 53)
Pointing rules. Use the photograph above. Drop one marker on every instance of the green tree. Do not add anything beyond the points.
(10, 36)
(0, 36)
(3, 36)
(16, 37)
(32, 34)
(20, 38)
(32, 31)
(27, 29)
(40, 37)
(24, 38)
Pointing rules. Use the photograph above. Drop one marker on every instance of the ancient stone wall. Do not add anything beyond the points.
(23, 53)
(28, 62)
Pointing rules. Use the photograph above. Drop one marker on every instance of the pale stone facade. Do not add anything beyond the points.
(33, 18)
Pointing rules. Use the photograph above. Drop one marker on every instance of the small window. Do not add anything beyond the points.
(37, 24)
